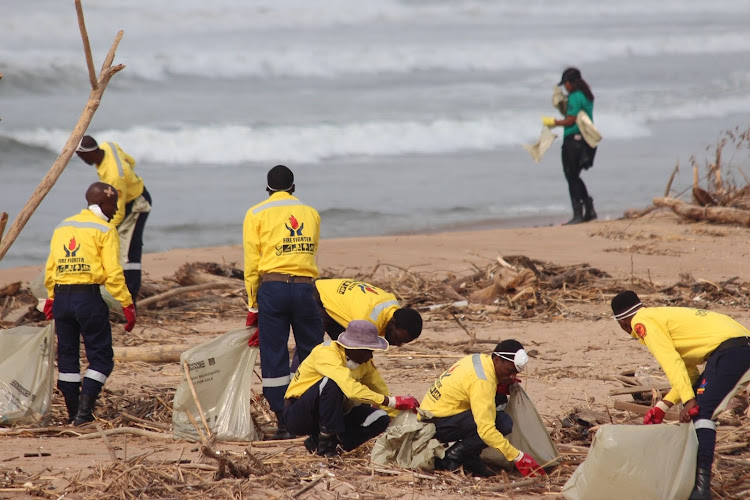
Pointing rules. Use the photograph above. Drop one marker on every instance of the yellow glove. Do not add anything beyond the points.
(548, 121)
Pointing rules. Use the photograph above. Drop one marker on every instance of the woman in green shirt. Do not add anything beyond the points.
(576, 154)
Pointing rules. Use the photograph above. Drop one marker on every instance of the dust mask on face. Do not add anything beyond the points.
(351, 364)
(98, 212)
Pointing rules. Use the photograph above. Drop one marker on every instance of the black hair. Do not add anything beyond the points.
(280, 178)
(409, 320)
(509, 345)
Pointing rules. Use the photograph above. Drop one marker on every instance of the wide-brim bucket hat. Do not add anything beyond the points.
(361, 334)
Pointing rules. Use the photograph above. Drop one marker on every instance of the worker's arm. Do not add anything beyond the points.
(252, 249)
(482, 401)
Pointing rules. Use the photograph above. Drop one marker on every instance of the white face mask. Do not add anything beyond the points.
(351, 364)
(98, 212)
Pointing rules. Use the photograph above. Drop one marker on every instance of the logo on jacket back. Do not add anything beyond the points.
(296, 242)
(364, 287)
(71, 248)
(294, 227)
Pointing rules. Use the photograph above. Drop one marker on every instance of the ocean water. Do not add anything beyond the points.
(396, 116)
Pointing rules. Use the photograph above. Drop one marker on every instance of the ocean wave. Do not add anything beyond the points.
(234, 144)
(336, 58)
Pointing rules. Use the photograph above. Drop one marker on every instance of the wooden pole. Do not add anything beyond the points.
(3, 222)
(86, 46)
(75, 137)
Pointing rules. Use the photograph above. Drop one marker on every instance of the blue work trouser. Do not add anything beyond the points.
(132, 268)
(83, 315)
(462, 427)
(281, 305)
(321, 409)
(723, 370)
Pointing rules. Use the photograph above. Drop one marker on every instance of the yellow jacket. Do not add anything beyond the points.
(280, 235)
(470, 384)
(116, 169)
(681, 338)
(362, 385)
(84, 250)
(346, 300)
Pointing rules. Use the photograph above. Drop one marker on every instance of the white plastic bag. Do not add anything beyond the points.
(221, 370)
(529, 432)
(408, 442)
(27, 373)
(647, 462)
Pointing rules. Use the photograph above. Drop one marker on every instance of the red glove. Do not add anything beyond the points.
(528, 467)
(48, 308)
(656, 414)
(403, 403)
(130, 317)
(694, 411)
(252, 318)
(254, 340)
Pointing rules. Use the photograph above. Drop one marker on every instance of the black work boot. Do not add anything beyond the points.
(702, 488)
(281, 432)
(85, 410)
(458, 455)
(577, 213)
(71, 392)
(589, 212)
(311, 443)
(71, 403)
(327, 445)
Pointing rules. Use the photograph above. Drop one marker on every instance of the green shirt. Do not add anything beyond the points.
(577, 102)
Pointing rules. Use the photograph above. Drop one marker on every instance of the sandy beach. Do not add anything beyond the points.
(577, 352)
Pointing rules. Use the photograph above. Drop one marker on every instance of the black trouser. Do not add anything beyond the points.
(723, 370)
(132, 268)
(82, 313)
(462, 427)
(574, 161)
(321, 409)
(331, 327)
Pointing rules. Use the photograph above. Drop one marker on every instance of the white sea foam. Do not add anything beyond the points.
(232, 144)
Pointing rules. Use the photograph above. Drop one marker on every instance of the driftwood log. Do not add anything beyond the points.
(723, 215)
(151, 354)
(506, 282)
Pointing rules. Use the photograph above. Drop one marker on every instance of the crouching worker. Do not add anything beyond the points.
(331, 395)
(463, 404)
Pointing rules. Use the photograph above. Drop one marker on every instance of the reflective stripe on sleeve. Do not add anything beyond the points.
(476, 359)
(277, 381)
(380, 308)
(322, 385)
(117, 158)
(132, 266)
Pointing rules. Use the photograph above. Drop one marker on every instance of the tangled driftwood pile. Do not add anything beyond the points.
(725, 201)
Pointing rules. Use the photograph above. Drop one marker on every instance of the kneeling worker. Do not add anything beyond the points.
(681, 338)
(462, 402)
(343, 300)
(331, 395)
(85, 253)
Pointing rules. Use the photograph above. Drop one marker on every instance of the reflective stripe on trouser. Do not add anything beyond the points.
(281, 305)
(462, 427)
(321, 409)
(723, 371)
(83, 315)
